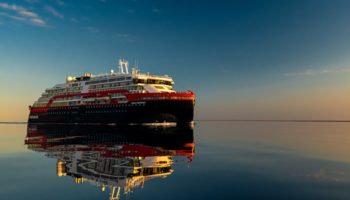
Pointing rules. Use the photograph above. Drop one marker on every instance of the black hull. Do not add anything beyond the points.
(99, 135)
(160, 111)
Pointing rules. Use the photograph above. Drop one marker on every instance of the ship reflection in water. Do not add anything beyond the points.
(119, 158)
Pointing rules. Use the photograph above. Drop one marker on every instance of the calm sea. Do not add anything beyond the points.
(214, 160)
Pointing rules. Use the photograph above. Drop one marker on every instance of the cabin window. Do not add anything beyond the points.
(167, 83)
(151, 81)
(156, 81)
(140, 81)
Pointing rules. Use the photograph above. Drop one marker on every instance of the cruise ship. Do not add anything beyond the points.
(115, 158)
(121, 97)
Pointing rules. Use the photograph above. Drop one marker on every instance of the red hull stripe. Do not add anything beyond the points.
(160, 96)
(132, 97)
(127, 150)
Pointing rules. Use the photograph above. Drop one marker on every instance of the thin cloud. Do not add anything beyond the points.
(29, 14)
(17, 18)
(38, 22)
(53, 12)
(22, 14)
(312, 72)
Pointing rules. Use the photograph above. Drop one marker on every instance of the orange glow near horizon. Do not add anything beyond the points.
(309, 101)
(12, 138)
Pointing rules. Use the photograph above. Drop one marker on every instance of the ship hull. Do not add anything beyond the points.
(178, 111)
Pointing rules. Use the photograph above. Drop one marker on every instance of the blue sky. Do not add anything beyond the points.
(244, 59)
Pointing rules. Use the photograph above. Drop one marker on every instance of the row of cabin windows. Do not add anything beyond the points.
(118, 87)
(55, 91)
(51, 92)
(109, 106)
(43, 99)
(36, 104)
(68, 98)
(108, 80)
(94, 102)
(46, 95)
(90, 111)
(152, 81)
(117, 105)
(73, 89)
(59, 104)
(109, 85)
(104, 111)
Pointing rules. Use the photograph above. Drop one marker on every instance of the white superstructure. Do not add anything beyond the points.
(132, 82)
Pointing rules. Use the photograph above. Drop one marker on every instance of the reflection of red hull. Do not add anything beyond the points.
(111, 141)
(140, 108)
(145, 151)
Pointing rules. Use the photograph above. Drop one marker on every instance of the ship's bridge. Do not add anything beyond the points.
(151, 79)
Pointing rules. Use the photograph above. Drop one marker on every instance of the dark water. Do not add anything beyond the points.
(214, 160)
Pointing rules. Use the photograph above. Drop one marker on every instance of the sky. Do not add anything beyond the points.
(244, 59)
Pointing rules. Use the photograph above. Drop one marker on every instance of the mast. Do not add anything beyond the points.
(123, 66)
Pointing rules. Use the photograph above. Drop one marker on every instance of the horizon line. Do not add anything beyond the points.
(232, 120)
(275, 120)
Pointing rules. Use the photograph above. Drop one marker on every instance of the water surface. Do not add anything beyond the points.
(221, 160)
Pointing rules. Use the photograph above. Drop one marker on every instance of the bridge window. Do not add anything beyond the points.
(140, 81)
